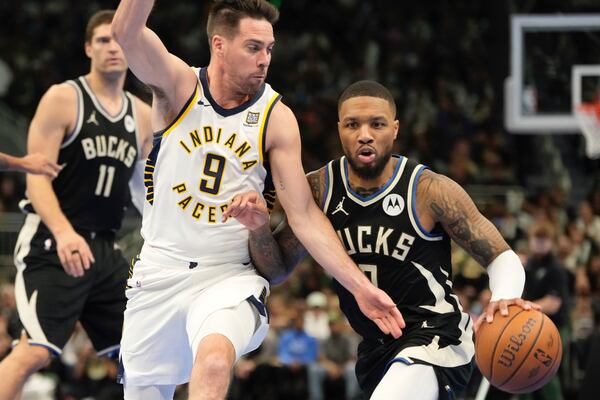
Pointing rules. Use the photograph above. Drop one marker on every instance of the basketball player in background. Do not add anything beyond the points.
(396, 218)
(36, 164)
(196, 304)
(68, 265)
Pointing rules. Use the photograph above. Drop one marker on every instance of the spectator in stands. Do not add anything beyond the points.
(332, 377)
(547, 285)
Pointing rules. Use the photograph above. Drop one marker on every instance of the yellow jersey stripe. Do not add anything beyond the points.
(263, 125)
(186, 109)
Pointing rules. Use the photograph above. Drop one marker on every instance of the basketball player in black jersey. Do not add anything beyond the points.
(396, 219)
(68, 265)
(31, 164)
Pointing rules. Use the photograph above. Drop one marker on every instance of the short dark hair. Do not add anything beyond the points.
(369, 89)
(100, 18)
(225, 15)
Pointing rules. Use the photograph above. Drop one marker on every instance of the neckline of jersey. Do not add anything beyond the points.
(226, 112)
(381, 190)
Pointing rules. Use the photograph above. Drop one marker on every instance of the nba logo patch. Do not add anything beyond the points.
(252, 118)
(393, 204)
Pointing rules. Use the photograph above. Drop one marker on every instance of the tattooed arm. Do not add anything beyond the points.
(276, 254)
(440, 199)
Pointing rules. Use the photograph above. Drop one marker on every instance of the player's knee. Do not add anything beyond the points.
(29, 359)
(217, 366)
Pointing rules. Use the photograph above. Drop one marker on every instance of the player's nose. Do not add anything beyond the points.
(264, 58)
(364, 134)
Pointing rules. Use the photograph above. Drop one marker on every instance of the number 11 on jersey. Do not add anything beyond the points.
(105, 180)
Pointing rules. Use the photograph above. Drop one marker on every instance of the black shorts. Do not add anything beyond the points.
(50, 302)
(375, 358)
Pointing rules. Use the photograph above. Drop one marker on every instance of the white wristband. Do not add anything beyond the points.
(507, 276)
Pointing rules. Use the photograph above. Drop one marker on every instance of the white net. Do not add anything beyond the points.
(588, 118)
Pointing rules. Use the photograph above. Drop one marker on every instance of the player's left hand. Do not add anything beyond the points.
(488, 313)
(381, 309)
(249, 208)
(38, 164)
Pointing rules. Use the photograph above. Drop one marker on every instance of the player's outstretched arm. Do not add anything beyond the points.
(147, 56)
(440, 199)
(37, 164)
(312, 227)
(54, 117)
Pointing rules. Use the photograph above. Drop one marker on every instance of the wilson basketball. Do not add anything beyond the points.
(518, 353)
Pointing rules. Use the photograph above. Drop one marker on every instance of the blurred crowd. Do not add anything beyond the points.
(446, 75)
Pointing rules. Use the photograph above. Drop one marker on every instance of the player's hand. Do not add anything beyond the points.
(381, 309)
(488, 313)
(74, 253)
(249, 208)
(38, 164)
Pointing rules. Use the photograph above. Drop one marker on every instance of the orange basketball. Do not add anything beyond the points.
(518, 353)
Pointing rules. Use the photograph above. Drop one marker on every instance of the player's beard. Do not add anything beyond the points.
(371, 171)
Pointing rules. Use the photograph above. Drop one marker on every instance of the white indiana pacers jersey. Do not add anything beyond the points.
(197, 165)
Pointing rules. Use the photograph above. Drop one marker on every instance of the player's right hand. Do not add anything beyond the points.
(38, 164)
(381, 309)
(249, 208)
(75, 255)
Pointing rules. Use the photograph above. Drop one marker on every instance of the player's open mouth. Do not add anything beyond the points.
(366, 155)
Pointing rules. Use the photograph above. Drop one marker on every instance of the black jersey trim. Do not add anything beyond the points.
(136, 131)
(368, 200)
(262, 133)
(226, 112)
(99, 105)
(150, 167)
(71, 136)
(413, 206)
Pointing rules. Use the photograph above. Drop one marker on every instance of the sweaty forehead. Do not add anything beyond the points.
(255, 29)
(365, 107)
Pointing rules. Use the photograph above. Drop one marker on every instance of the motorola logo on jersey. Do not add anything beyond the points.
(129, 123)
(393, 204)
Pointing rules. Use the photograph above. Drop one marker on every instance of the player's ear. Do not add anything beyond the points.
(88, 49)
(218, 45)
(396, 128)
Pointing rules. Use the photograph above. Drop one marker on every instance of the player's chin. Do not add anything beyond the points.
(115, 68)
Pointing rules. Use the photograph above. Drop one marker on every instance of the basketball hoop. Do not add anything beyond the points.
(588, 118)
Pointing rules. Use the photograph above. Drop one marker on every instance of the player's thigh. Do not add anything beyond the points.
(407, 382)
(238, 324)
(155, 348)
(156, 392)
(49, 301)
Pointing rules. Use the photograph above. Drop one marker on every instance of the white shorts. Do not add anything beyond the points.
(167, 305)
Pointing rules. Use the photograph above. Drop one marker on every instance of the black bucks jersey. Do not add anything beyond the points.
(382, 234)
(99, 157)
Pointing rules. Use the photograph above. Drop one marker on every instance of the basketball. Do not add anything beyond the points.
(518, 353)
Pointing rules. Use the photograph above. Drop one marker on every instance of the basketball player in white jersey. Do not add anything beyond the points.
(195, 302)
(36, 164)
